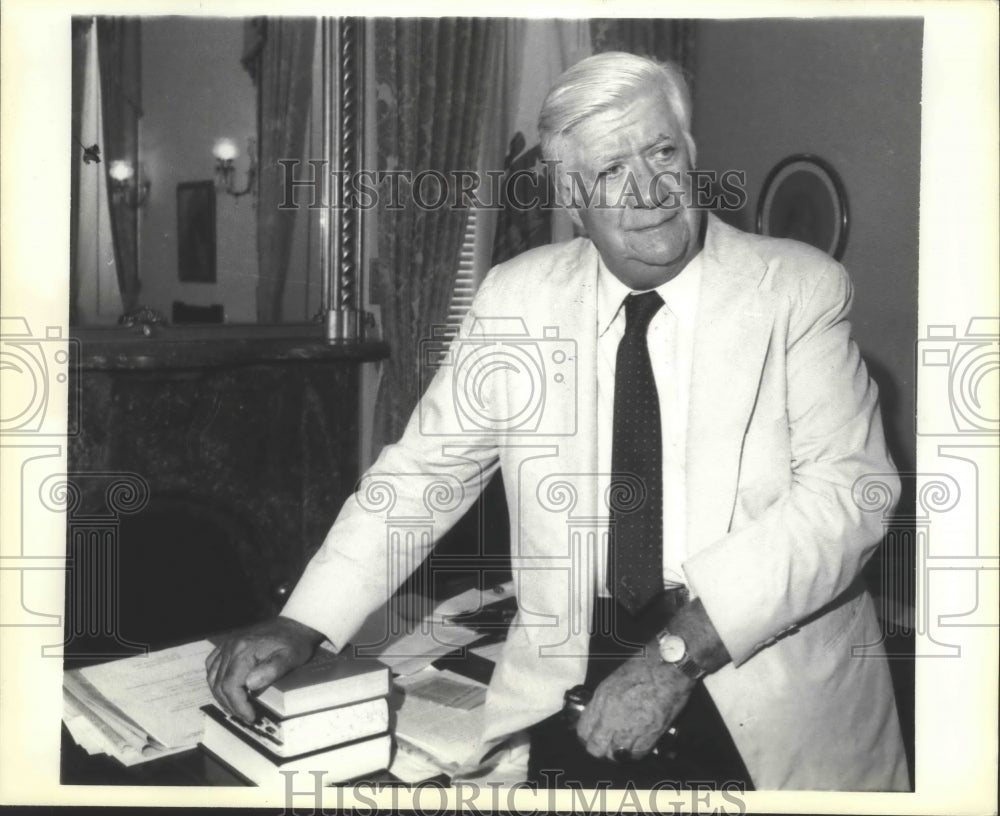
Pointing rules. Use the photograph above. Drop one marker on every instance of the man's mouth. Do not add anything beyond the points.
(662, 217)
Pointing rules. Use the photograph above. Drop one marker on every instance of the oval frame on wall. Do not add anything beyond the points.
(804, 199)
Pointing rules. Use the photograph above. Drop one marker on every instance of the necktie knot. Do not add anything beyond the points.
(639, 311)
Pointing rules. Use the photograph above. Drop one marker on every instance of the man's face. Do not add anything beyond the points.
(636, 160)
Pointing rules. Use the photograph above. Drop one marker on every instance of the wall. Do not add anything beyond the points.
(848, 91)
(194, 91)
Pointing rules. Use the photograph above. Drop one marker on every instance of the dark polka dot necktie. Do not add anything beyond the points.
(636, 493)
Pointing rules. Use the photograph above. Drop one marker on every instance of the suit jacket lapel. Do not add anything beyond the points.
(578, 453)
(570, 304)
(732, 330)
(576, 292)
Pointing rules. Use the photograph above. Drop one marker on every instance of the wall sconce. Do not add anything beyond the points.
(226, 152)
(126, 186)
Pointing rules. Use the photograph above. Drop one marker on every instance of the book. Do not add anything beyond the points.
(289, 736)
(326, 681)
(263, 767)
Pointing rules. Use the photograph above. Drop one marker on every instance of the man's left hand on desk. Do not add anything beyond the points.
(633, 707)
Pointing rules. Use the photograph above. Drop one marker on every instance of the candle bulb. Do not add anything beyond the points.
(225, 150)
(120, 170)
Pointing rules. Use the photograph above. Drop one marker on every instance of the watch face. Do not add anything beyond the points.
(672, 648)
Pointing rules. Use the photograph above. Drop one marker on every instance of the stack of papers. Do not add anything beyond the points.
(410, 648)
(472, 600)
(439, 725)
(139, 708)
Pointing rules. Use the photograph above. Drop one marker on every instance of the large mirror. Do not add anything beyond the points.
(186, 131)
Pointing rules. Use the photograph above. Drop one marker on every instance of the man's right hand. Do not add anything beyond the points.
(251, 659)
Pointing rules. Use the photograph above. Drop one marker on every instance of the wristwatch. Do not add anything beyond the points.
(674, 651)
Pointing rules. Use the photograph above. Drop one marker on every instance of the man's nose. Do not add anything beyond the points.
(654, 187)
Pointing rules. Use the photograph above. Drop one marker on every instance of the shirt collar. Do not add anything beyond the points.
(680, 293)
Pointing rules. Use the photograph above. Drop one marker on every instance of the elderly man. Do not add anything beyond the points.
(684, 538)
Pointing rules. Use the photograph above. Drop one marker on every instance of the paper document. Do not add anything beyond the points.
(445, 691)
(472, 600)
(94, 732)
(411, 765)
(161, 693)
(489, 651)
(417, 650)
(442, 716)
(408, 647)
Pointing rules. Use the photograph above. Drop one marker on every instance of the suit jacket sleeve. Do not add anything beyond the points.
(760, 580)
(415, 492)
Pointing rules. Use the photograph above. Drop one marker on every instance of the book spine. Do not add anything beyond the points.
(294, 735)
(262, 767)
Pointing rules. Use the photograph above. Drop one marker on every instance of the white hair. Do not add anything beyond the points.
(610, 81)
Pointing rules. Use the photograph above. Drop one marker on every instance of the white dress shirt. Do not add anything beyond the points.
(670, 340)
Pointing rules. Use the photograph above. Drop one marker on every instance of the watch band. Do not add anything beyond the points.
(671, 644)
(690, 668)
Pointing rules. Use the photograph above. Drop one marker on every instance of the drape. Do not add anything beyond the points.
(118, 48)
(81, 27)
(431, 77)
(541, 51)
(279, 56)
(657, 37)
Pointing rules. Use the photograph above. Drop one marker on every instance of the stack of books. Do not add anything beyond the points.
(330, 716)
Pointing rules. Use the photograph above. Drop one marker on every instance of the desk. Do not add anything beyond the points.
(198, 767)
(195, 767)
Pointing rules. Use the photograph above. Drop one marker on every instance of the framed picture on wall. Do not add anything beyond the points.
(803, 198)
(196, 231)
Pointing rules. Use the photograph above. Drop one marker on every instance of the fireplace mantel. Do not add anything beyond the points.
(242, 445)
(145, 348)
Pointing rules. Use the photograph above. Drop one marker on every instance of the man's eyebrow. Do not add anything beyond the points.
(660, 138)
(609, 158)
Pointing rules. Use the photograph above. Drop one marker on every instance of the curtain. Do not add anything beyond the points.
(658, 38)
(279, 57)
(432, 79)
(542, 50)
(118, 48)
(81, 30)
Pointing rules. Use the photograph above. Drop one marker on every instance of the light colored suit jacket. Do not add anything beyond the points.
(783, 427)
